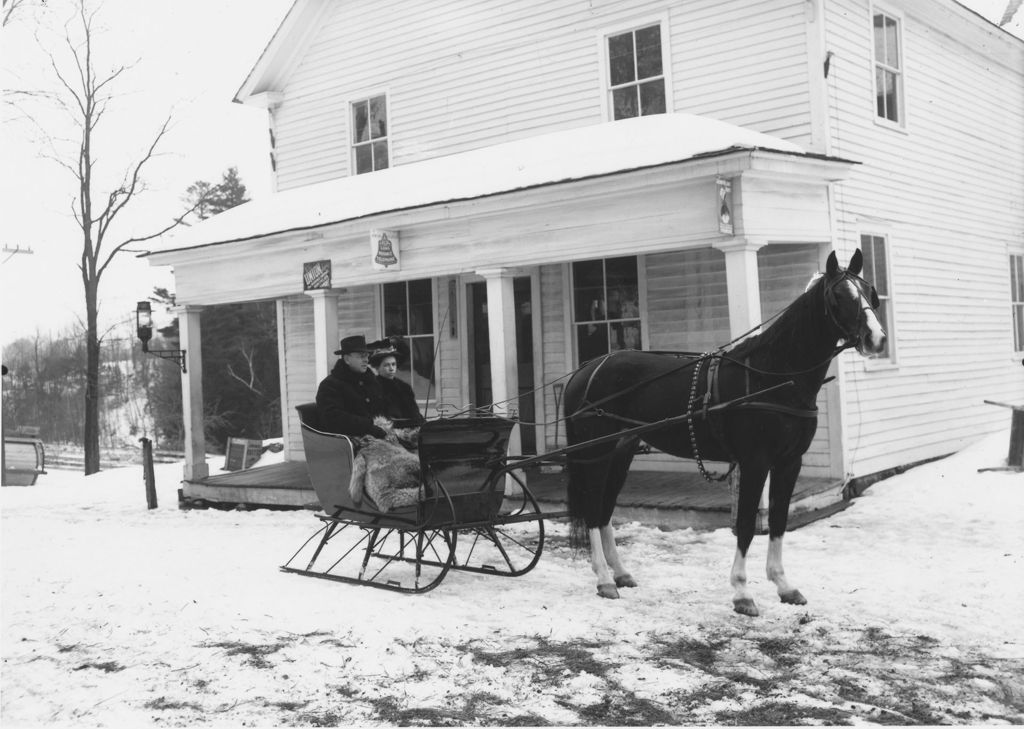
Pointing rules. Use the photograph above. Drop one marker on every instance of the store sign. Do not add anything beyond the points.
(316, 275)
(385, 252)
(725, 206)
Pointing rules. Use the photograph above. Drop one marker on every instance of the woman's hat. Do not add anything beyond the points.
(353, 344)
(379, 355)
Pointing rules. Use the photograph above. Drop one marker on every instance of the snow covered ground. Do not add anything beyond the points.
(115, 615)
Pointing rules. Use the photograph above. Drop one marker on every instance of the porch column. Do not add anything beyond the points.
(743, 287)
(501, 325)
(325, 330)
(742, 283)
(190, 333)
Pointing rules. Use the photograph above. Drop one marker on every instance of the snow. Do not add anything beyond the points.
(560, 156)
(114, 615)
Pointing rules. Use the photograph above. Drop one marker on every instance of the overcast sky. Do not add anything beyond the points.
(192, 57)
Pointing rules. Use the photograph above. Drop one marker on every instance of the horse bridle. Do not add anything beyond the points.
(832, 303)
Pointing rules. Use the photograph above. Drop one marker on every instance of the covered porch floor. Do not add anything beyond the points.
(670, 500)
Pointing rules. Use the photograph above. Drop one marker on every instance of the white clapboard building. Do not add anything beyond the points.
(519, 186)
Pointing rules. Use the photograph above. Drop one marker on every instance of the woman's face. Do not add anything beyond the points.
(388, 367)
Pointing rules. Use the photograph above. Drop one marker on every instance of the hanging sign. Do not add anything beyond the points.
(724, 206)
(385, 253)
(316, 275)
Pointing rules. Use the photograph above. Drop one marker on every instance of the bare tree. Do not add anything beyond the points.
(85, 96)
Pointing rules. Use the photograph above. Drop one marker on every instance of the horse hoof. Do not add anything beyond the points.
(625, 581)
(608, 590)
(793, 597)
(745, 606)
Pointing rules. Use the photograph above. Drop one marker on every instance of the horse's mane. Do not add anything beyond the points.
(789, 332)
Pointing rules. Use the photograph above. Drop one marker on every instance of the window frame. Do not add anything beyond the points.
(434, 333)
(604, 70)
(900, 124)
(889, 324)
(573, 324)
(352, 144)
(1016, 261)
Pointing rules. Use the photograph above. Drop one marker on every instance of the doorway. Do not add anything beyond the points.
(480, 390)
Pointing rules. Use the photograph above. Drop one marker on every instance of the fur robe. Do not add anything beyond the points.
(385, 470)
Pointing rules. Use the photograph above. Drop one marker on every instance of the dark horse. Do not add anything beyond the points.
(764, 434)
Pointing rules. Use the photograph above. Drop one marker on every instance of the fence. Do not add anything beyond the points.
(61, 456)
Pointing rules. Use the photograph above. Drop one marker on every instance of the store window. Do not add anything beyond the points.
(409, 313)
(606, 306)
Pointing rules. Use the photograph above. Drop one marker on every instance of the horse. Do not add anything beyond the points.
(753, 406)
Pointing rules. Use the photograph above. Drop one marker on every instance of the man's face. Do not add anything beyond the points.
(357, 361)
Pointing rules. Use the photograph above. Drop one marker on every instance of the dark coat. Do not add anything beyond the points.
(347, 402)
(401, 402)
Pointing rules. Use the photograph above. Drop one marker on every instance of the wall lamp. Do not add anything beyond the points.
(144, 327)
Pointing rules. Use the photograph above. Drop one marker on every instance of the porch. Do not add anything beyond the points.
(670, 500)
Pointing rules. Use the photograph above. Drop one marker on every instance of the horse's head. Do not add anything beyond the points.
(850, 304)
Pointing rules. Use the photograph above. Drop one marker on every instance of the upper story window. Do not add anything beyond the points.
(888, 69)
(370, 134)
(409, 313)
(1017, 301)
(636, 75)
(606, 306)
(876, 272)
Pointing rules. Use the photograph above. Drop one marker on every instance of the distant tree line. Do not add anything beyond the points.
(140, 394)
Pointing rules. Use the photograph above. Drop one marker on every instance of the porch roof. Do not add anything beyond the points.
(563, 156)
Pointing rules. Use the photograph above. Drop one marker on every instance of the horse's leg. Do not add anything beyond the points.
(782, 484)
(611, 557)
(598, 563)
(752, 476)
(618, 470)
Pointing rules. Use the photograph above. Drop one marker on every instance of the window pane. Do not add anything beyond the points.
(890, 96)
(623, 290)
(892, 48)
(591, 341)
(421, 312)
(364, 159)
(620, 59)
(881, 269)
(378, 117)
(395, 310)
(360, 123)
(422, 366)
(588, 290)
(652, 97)
(380, 155)
(882, 312)
(648, 52)
(625, 335)
(1017, 279)
(624, 102)
(879, 23)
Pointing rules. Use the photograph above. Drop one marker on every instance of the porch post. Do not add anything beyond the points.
(501, 326)
(190, 332)
(742, 283)
(325, 330)
(744, 291)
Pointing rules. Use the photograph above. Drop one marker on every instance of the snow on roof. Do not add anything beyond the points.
(572, 154)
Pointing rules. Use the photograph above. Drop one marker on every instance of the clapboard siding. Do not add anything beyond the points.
(462, 75)
(556, 348)
(687, 303)
(947, 191)
(299, 369)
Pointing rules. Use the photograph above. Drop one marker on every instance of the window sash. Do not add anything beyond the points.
(370, 134)
(876, 272)
(1017, 300)
(888, 64)
(408, 311)
(636, 73)
(606, 306)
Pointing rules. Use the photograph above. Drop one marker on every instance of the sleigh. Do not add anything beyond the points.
(475, 511)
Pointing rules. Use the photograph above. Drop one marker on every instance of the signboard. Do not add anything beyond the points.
(385, 253)
(316, 275)
(242, 453)
(724, 206)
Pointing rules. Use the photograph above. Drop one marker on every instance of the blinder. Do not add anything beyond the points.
(862, 287)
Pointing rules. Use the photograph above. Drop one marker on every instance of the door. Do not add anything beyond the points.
(480, 354)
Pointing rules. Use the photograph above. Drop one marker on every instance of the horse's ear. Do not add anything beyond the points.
(832, 266)
(856, 263)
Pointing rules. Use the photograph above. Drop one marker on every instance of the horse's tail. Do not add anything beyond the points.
(578, 535)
